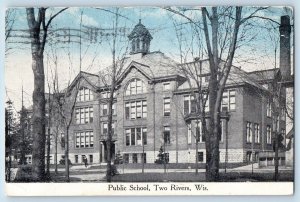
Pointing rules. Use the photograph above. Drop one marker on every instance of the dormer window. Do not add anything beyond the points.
(136, 86)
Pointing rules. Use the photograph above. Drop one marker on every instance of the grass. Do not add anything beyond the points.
(25, 172)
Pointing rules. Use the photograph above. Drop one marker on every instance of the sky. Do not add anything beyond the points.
(254, 55)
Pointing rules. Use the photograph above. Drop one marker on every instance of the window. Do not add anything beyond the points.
(84, 139)
(85, 94)
(189, 134)
(84, 115)
(200, 157)
(166, 86)
(189, 104)
(136, 136)
(136, 109)
(167, 135)
(199, 133)
(144, 156)
(62, 140)
(134, 158)
(105, 128)
(91, 158)
(249, 132)
(76, 158)
(167, 106)
(269, 109)
(269, 134)
(228, 100)
(256, 133)
(105, 109)
(135, 86)
(126, 158)
(222, 131)
(167, 157)
(282, 114)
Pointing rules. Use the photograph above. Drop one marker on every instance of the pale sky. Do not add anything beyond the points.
(258, 54)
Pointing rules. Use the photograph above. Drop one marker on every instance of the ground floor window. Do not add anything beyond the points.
(167, 157)
(145, 157)
(134, 158)
(249, 156)
(76, 158)
(91, 159)
(126, 158)
(200, 156)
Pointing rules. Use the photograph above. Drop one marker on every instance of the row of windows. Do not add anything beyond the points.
(85, 94)
(228, 103)
(249, 132)
(84, 115)
(135, 86)
(90, 158)
(135, 158)
(136, 109)
(198, 133)
(136, 136)
(84, 139)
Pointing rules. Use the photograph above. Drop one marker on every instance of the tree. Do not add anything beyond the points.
(222, 31)
(38, 27)
(109, 78)
(10, 17)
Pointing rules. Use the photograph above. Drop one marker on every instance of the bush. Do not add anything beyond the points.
(62, 162)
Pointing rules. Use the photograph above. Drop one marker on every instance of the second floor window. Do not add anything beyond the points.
(136, 136)
(136, 109)
(228, 100)
(269, 134)
(166, 86)
(84, 115)
(105, 128)
(84, 139)
(249, 132)
(167, 106)
(135, 86)
(85, 94)
(189, 104)
(105, 109)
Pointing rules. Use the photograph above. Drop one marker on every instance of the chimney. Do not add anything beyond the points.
(285, 47)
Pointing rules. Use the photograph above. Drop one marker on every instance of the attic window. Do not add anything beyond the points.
(85, 94)
(135, 86)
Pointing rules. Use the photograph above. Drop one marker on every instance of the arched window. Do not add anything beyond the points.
(135, 86)
(138, 44)
(133, 45)
(85, 94)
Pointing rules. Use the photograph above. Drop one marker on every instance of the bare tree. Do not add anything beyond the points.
(38, 27)
(109, 79)
(10, 17)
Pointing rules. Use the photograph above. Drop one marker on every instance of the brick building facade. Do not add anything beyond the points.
(154, 108)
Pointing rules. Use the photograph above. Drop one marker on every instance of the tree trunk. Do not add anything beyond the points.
(67, 174)
(48, 151)
(38, 117)
(55, 154)
(109, 139)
